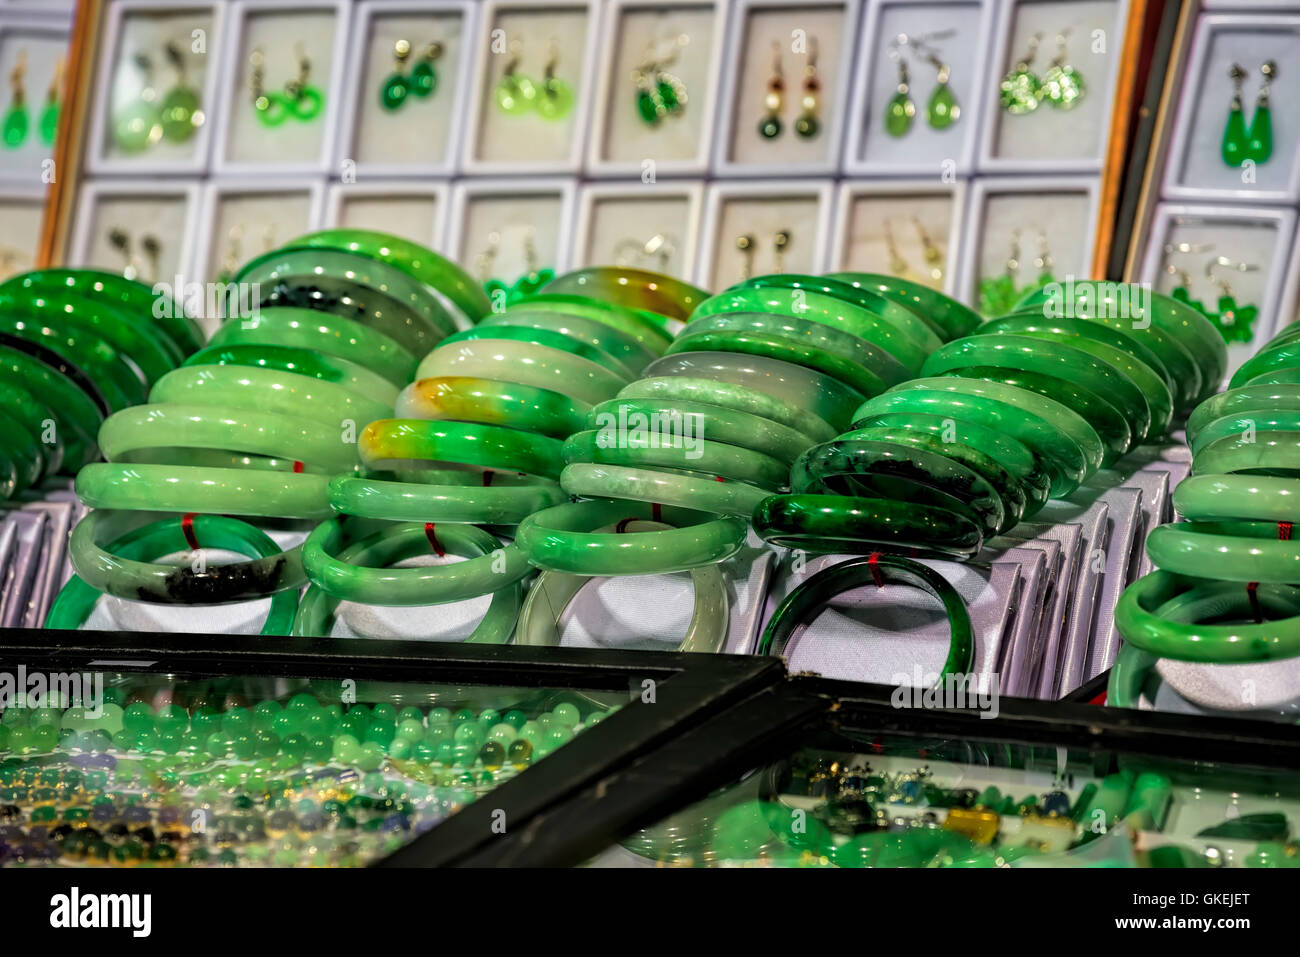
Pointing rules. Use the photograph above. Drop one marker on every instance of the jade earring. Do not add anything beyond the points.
(554, 96)
(303, 99)
(898, 266)
(1062, 84)
(1234, 133)
(769, 127)
(424, 75)
(901, 110)
(942, 109)
(999, 294)
(270, 106)
(119, 240)
(1021, 89)
(515, 93)
(745, 245)
(49, 123)
(17, 122)
(933, 254)
(1043, 262)
(139, 125)
(808, 125)
(780, 243)
(1183, 291)
(396, 88)
(659, 94)
(1259, 141)
(497, 290)
(153, 252)
(535, 278)
(181, 113)
(1234, 321)
(234, 254)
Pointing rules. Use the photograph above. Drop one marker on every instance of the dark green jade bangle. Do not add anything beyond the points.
(1128, 677)
(811, 598)
(101, 363)
(861, 525)
(954, 318)
(490, 566)
(267, 390)
(656, 486)
(1246, 428)
(862, 380)
(608, 339)
(544, 337)
(1260, 498)
(644, 329)
(674, 389)
(125, 566)
(633, 288)
(873, 302)
(1240, 551)
(220, 491)
(1033, 322)
(105, 548)
(416, 502)
(1246, 402)
(22, 447)
(436, 272)
(1284, 355)
(76, 417)
(473, 399)
(491, 448)
(675, 451)
(562, 539)
(305, 362)
(1162, 614)
(527, 363)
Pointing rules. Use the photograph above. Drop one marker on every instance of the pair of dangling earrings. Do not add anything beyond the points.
(516, 94)
(933, 255)
(147, 120)
(1061, 86)
(999, 294)
(530, 283)
(747, 246)
(1256, 143)
(1234, 321)
(942, 109)
(657, 251)
(421, 82)
(300, 99)
(235, 249)
(808, 124)
(120, 240)
(660, 94)
(17, 122)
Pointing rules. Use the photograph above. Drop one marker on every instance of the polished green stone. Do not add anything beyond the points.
(17, 122)
(394, 92)
(646, 106)
(807, 126)
(424, 79)
(555, 99)
(769, 127)
(1020, 92)
(942, 109)
(1259, 141)
(1063, 87)
(1235, 138)
(180, 114)
(516, 94)
(899, 113)
(137, 127)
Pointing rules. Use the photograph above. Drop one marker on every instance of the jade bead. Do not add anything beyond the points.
(463, 754)
(566, 714)
(503, 733)
(371, 757)
(346, 748)
(445, 753)
(492, 754)
(410, 729)
(385, 711)
(400, 748)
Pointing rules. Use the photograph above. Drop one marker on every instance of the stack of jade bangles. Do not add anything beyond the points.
(1224, 591)
(75, 347)
(256, 423)
(999, 421)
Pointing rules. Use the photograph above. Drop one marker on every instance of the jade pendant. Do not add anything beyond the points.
(180, 115)
(137, 127)
(424, 79)
(49, 122)
(394, 91)
(898, 114)
(515, 94)
(1234, 136)
(942, 110)
(770, 127)
(668, 96)
(1020, 92)
(271, 109)
(532, 283)
(1063, 87)
(555, 99)
(16, 126)
(306, 105)
(1181, 294)
(1259, 141)
(1235, 322)
(647, 107)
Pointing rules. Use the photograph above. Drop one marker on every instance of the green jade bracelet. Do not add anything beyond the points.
(810, 598)
(474, 399)
(498, 504)
(527, 363)
(954, 318)
(630, 353)
(544, 337)
(99, 361)
(643, 328)
(653, 450)
(489, 448)
(357, 379)
(187, 488)
(1246, 402)
(268, 390)
(22, 449)
(715, 495)
(851, 524)
(132, 551)
(637, 289)
(75, 416)
(685, 391)
(25, 426)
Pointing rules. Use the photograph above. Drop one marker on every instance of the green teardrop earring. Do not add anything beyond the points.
(1021, 89)
(555, 97)
(396, 87)
(1062, 85)
(1235, 322)
(303, 99)
(900, 110)
(49, 122)
(515, 93)
(1234, 134)
(769, 127)
(181, 113)
(16, 121)
(424, 76)
(942, 110)
(1259, 141)
(139, 125)
(270, 106)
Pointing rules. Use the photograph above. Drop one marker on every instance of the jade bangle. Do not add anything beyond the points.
(100, 362)
(321, 332)
(915, 323)
(490, 566)
(9, 484)
(722, 424)
(795, 385)
(182, 584)
(58, 364)
(470, 399)
(1128, 677)
(1241, 551)
(415, 502)
(544, 337)
(1161, 615)
(76, 418)
(954, 318)
(398, 543)
(638, 289)
(1285, 355)
(812, 597)
(472, 445)
(348, 375)
(267, 390)
(23, 450)
(135, 298)
(884, 470)
(561, 539)
(115, 569)
(655, 486)
(1237, 426)
(643, 329)
(223, 491)
(22, 407)
(526, 363)
(613, 342)
(551, 592)
(693, 454)
(439, 274)
(1245, 401)
(1269, 450)
(1259, 498)
(811, 428)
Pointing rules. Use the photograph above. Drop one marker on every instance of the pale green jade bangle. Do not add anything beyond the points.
(240, 430)
(689, 453)
(908, 343)
(634, 288)
(1268, 450)
(267, 390)
(526, 363)
(471, 399)
(678, 489)
(315, 365)
(551, 592)
(490, 566)
(1239, 551)
(1261, 498)
(439, 274)
(181, 488)
(394, 544)
(543, 337)
(715, 422)
(795, 385)
(185, 583)
(225, 459)
(810, 427)
(474, 445)
(1242, 427)
(954, 318)
(614, 342)
(626, 321)
(887, 307)
(417, 502)
(319, 331)
(1246, 401)
(1128, 677)
(1161, 612)
(561, 539)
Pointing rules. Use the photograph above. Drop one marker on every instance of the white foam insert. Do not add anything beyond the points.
(513, 217)
(162, 215)
(763, 217)
(865, 248)
(267, 220)
(43, 49)
(20, 229)
(1063, 215)
(638, 216)
(413, 215)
